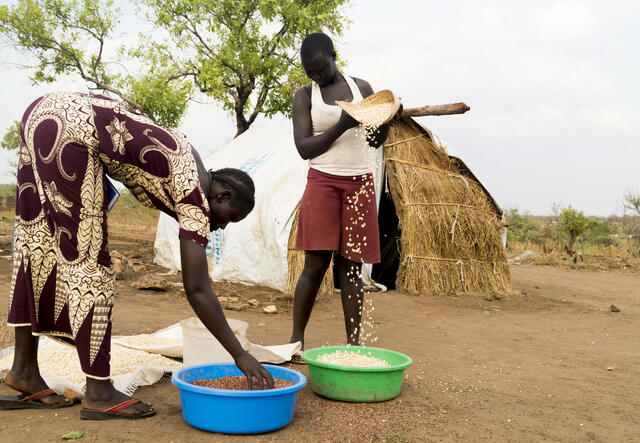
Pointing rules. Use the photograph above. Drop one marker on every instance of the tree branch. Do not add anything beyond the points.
(448, 109)
(276, 39)
(262, 96)
(131, 102)
(98, 59)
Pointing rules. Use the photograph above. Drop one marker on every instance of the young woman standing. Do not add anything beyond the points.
(338, 215)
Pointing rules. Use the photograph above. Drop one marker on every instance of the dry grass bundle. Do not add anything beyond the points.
(295, 263)
(450, 238)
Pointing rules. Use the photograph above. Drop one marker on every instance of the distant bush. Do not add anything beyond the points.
(574, 223)
(7, 189)
(523, 227)
(599, 233)
(592, 234)
(130, 212)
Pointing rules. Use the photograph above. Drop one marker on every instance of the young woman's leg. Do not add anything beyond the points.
(349, 273)
(316, 264)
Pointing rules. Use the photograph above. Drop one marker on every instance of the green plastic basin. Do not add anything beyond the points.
(357, 384)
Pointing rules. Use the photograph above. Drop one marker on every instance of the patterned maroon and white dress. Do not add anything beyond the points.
(63, 279)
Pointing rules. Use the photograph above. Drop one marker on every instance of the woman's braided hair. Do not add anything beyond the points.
(239, 182)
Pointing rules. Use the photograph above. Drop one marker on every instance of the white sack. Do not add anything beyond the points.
(264, 354)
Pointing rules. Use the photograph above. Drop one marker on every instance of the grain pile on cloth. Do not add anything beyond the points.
(450, 226)
(167, 341)
(130, 368)
(136, 360)
(353, 359)
(149, 340)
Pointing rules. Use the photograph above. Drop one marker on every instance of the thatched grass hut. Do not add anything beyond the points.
(440, 229)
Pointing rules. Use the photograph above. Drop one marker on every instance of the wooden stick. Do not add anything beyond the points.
(451, 108)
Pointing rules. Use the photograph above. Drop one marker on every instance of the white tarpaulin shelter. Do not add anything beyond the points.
(253, 251)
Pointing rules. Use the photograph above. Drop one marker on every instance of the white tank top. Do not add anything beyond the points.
(349, 154)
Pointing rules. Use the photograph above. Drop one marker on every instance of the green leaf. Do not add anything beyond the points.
(73, 435)
(11, 139)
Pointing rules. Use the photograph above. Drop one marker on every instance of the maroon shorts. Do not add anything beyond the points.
(338, 213)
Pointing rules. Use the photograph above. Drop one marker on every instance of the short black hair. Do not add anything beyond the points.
(239, 182)
(316, 43)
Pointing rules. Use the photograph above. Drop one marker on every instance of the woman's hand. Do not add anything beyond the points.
(251, 368)
(376, 138)
(308, 145)
(347, 122)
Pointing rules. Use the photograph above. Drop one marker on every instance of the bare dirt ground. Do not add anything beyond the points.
(551, 362)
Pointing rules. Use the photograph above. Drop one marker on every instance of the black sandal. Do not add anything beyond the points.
(296, 359)
(115, 412)
(34, 401)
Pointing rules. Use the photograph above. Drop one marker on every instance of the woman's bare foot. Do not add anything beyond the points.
(32, 383)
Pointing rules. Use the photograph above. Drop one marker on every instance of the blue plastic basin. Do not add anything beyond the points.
(236, 412)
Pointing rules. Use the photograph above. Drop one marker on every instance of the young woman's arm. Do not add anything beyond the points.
(204, 302)
(309, 145)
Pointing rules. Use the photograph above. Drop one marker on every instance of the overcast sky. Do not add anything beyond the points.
(553, 88)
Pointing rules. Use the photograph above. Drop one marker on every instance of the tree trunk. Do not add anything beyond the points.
(241, 99)
(241, 125)
(241, 122)
(572, 239)
(568, 248)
